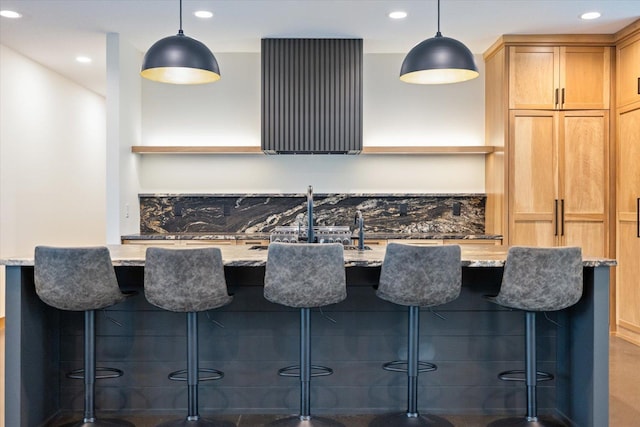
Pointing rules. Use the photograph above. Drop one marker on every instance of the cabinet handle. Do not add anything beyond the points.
(555, 215)
(562, 216)
(556, 98)
(562, 99)
(638, 216)
(638, 85)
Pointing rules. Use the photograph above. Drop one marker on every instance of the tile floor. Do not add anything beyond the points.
(624, 399)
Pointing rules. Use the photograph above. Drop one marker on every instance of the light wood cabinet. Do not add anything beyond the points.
(547, 101)
(559, 78)
(373, 242)
(559, 179)
(252, 242)
(628, 71)
(628, 223)
(472, 242)
(417, 242)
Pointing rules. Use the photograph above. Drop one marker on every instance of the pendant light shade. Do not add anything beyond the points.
(439, 60)
(180, 59)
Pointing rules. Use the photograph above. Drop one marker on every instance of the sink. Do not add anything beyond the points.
(346, 248)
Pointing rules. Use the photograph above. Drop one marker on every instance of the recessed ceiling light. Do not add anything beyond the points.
(10, 14)
(590, 15)
(203, 14)
(398, 14)
(83, 59)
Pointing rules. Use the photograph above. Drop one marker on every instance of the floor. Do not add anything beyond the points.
(624, 398)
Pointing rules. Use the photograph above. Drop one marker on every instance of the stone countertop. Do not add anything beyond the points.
(197, 236)
(265, 236)
(429, 236)
(244, 256)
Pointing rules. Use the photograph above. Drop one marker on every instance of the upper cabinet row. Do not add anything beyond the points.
(559, 77)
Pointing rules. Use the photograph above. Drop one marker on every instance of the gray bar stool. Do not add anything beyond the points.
(81, 279)
(537, 279)
(417, 276)
(305, 275)
(188, 281)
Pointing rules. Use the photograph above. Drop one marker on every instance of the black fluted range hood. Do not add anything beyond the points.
(311, 96)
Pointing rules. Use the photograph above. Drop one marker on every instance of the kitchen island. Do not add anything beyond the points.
(470, 340)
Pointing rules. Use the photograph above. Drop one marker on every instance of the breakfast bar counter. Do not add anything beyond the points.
(470, 340)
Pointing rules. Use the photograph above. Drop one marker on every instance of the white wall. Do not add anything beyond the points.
(123, 131)
(395, 113)
(52, 159)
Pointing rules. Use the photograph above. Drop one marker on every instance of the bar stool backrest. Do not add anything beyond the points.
(185, 280)
(76, 279)
(422, 276)
(305, 275)
(541, 279)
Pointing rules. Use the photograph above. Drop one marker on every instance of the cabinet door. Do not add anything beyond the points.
(628, 72)
(533, 77)
(532, 178)
(583, 178)
(560, 78)
(584, 78)
(628, 231)
(628, 280)
(628, 165)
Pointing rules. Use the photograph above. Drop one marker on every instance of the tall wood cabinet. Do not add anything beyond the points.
(547, 112)
(628, 183)
(559, 178)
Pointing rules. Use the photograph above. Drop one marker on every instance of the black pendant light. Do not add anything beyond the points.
(439, 60)
(180, 60)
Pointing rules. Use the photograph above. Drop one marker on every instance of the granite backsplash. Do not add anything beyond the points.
(260, 213)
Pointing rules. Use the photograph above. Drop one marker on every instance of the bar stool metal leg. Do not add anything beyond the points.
(532, 376)
(304, 419)
(88, 374)
(193, 418)
(305, 364)
(411, 418)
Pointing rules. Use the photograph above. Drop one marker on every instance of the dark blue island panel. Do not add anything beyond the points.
(470, 340)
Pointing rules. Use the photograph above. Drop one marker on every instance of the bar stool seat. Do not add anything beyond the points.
(188, 281)
(537, 279)
(417, 276)
(81, 279)
(305, 275)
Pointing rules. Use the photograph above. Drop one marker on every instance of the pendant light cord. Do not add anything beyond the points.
(438, 34)
(181, 32)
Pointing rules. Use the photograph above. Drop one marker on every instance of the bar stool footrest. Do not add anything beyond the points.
(78, 374)
(181, 375)
(519, 375)
(400, 366)
(294, 371)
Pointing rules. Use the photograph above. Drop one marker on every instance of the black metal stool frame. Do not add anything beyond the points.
(306, 372)
(414, 367)
(531, 378)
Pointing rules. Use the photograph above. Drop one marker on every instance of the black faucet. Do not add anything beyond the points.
(310, 236)
(359, 221)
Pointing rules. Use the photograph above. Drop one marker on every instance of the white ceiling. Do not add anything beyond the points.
(54, 32)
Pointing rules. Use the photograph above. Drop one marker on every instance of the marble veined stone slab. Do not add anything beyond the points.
(260, 213)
